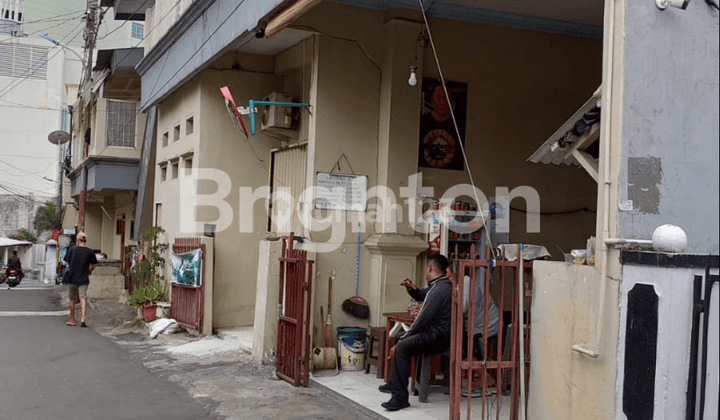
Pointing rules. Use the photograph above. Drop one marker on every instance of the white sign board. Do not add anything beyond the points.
(341, 192)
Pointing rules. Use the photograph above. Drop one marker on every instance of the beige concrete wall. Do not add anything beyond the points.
(247, 164)
(522, 86)
(93, 225)
(344, 122)
(98, 144)
(216, 143)
(565, 384)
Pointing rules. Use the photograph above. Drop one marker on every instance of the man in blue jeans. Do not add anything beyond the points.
(430, 333)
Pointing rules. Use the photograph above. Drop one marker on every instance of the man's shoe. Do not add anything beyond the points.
(393, 405)
(385, 389)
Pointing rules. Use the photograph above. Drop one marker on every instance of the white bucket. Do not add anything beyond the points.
(351, 357)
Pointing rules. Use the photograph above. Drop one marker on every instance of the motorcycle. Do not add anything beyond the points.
(13, 277)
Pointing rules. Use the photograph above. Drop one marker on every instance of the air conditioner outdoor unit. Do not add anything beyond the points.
(274, 117)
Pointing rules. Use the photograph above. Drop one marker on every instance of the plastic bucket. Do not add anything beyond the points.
(351, 347)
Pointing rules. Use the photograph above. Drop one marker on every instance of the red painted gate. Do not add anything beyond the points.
(187, 306)
(293, 336)
(461, 369)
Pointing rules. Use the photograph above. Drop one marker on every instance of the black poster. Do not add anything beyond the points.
(439, 145)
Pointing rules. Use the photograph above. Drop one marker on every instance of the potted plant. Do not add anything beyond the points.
(147, 297)
(150, 283)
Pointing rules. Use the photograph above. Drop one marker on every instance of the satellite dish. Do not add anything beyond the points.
(58, 137)
(233, 111)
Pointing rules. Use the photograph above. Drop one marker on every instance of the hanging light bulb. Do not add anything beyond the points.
(412, 81)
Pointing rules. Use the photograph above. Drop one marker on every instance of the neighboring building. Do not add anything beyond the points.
(107, 145)
(17, 211)
(38, 81)
(524, 69)
(64, 21)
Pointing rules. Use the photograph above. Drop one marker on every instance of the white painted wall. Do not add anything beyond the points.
(30, 109)
(674, 287)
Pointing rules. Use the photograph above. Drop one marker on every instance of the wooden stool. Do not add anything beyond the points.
(377, 334)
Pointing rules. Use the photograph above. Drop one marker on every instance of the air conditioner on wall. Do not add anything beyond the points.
(277, 117)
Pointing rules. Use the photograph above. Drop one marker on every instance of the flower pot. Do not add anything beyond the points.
(149, 312)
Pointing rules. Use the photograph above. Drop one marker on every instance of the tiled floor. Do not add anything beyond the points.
(363, 389)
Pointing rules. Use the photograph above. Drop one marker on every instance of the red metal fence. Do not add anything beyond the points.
(187, 306)
(293, 337)
(464, 368)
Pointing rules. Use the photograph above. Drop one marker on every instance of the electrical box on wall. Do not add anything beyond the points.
(277, 117)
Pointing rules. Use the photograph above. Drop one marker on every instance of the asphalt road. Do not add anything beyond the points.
(52, 371)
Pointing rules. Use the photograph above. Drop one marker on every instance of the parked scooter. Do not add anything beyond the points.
(13, 277)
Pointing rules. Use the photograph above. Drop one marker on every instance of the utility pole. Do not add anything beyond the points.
(89, 36)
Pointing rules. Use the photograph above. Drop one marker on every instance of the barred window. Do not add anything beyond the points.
(121, 123)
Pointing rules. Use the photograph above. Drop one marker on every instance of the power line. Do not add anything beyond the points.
(26, 156)
(17, 81)
(126, 20)
(54, 18)
(28, 172)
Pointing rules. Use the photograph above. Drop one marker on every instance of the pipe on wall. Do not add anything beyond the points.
(593, 349)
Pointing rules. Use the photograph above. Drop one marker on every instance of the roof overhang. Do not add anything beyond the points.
(128, 9)
(123, 82)
(568, 144)
(5, 242)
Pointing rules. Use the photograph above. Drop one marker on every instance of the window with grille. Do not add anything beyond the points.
(121, 123)
(23, 61)
(137, 31)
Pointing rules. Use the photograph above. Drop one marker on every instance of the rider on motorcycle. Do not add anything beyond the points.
(14, 263)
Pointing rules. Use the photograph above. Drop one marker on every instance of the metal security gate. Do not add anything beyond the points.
(702, 391)
(506, 366)
(293, 336)
(187, 306)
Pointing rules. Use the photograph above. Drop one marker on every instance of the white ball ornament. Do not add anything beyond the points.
(669, 238)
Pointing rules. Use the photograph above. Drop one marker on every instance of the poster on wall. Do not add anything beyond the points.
(439, 145)
(187, 268)
(341, 192)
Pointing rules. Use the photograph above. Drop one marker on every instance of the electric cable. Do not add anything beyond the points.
(128, 19)
(54, 18)
(457, 130)
(18, 80)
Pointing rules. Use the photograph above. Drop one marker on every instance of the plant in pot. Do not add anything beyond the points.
(147, 297)
(150, 283)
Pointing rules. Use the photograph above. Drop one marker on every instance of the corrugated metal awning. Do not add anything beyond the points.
(567, 144)
(12, 242)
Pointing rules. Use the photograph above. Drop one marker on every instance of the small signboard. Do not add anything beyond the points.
(69, 231)
(341, 192)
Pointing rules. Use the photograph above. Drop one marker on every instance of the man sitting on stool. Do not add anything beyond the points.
(430, 333)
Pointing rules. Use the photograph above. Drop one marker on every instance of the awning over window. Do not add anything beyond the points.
(569, 143)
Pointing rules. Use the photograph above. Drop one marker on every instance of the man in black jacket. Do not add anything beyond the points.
(430, 333)
(14, 263)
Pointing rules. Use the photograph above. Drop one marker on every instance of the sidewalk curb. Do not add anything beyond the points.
(362, 411)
